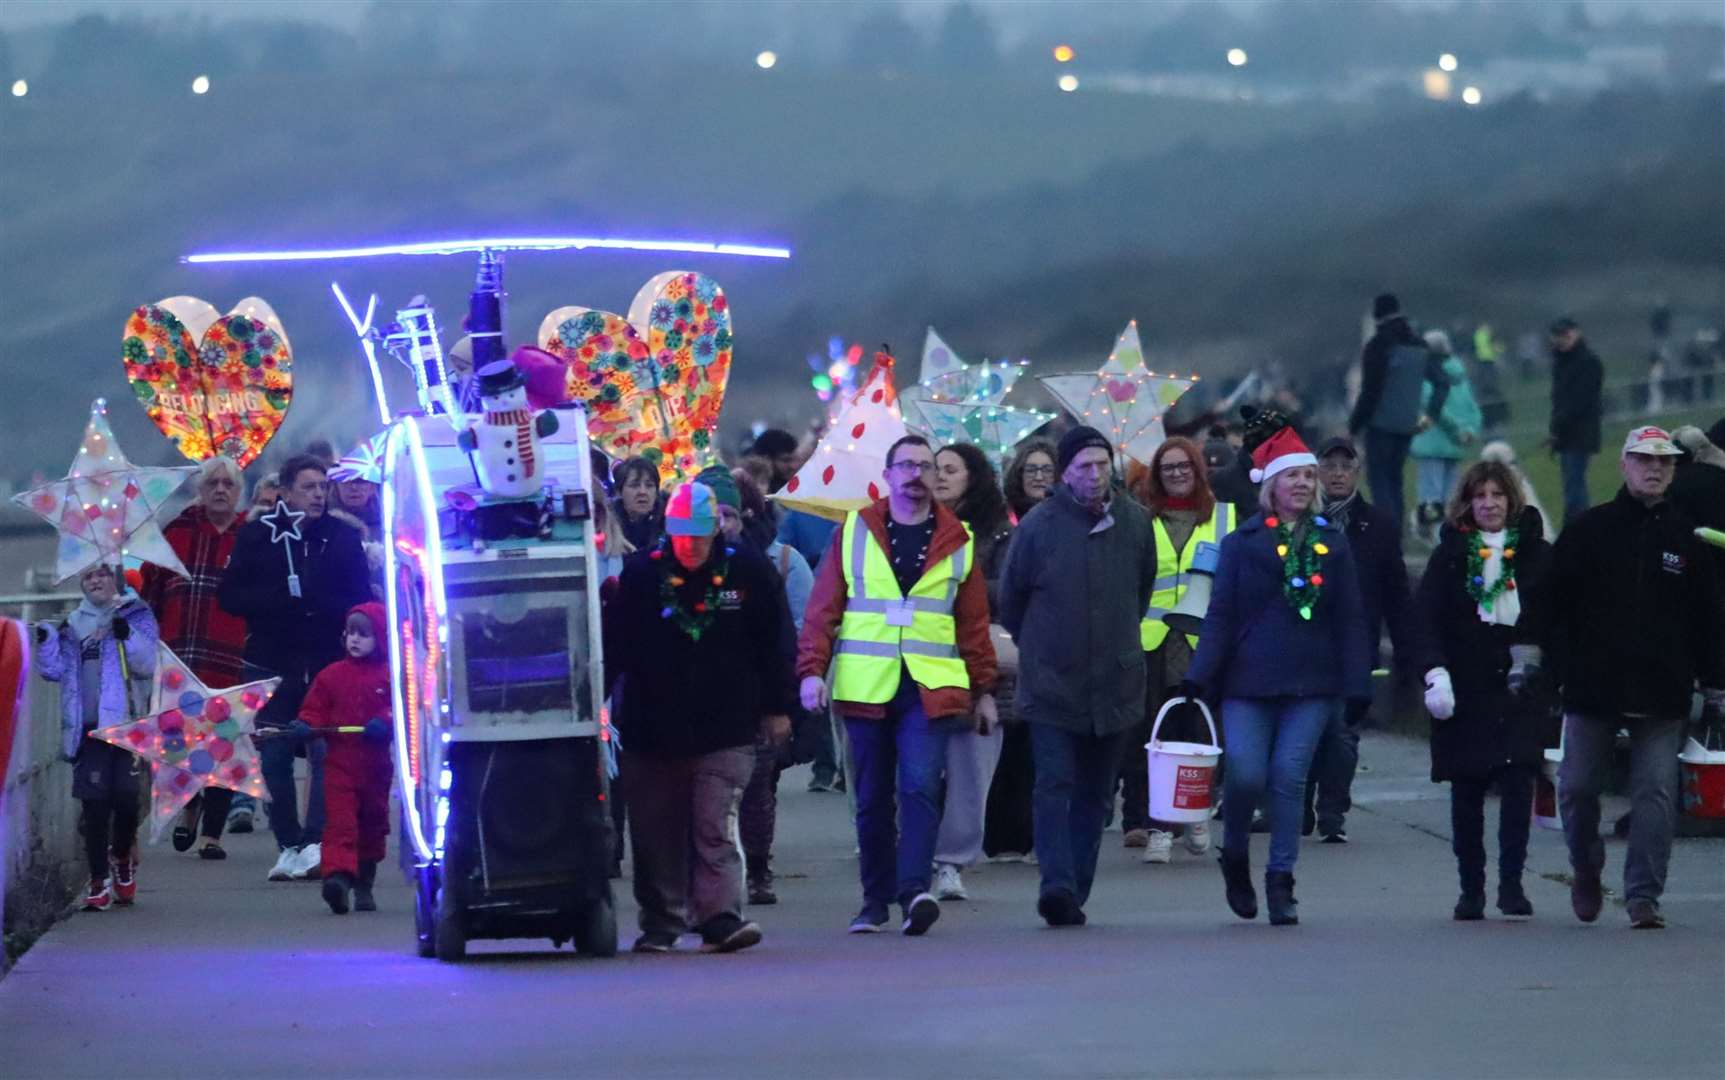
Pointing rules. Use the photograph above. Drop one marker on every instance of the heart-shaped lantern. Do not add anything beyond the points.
(227, 393)
(653, 382)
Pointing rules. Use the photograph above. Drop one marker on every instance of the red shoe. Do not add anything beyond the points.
(125, 880)
(99, 897)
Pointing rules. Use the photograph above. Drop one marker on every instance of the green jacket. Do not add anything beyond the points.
(1461, 418)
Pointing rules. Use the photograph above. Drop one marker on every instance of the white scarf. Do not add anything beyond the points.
(1506, 609)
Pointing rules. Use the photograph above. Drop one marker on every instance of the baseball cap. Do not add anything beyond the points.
(1340, 442)
(1655, 441)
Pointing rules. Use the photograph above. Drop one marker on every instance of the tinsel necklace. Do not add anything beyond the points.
(692, 619)
(1483, 594)
(1302, 567)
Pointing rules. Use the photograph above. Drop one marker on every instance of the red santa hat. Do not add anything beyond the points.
(1283, 450)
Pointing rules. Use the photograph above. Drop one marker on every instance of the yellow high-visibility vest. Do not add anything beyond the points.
(883, 627)
(1171, 572)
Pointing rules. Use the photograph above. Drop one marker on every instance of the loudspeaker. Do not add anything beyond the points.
(1187, 617)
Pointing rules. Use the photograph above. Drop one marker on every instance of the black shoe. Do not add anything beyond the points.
(869, 920)
(761, 892)
(1586, 895)
(1511, 900)
(212, 851)
(655, 941)
(1336, 836)
(1644, 915)
(1237, 879)
(1260, 823)
(920, 914)
(1471, 907)
(335, 891)
(362, 898)
(728, 934)
(1308, 822)
(1279, 898)
(182, 837)
(1060, 908)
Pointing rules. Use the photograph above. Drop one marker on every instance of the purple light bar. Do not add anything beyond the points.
(499, 243)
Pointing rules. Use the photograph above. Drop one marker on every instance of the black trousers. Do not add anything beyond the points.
(1467, 824)
(211, 806)
(108, 821)
(1009, 825)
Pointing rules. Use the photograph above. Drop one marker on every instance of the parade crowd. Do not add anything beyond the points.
(977, 658)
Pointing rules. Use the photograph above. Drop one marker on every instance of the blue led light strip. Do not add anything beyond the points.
(498, 243)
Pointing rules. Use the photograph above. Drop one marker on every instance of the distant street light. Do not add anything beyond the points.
(1471, 95)
(20, 88)
(201, 84)
(1237, 57)
(1063, 54)
(1447, 61)
(766, 58)
(1068, 83)
(1437, 84)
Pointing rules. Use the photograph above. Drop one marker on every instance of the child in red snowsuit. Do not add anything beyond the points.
(354, 693)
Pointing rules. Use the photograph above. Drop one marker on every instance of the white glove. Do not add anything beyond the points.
(1440, 696)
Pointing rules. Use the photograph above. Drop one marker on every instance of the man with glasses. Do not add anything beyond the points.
(1375, 536)
(1078, 578)
(900, 611)
(293, 587)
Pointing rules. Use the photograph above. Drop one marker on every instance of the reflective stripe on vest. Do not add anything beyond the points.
(1171, 572)
(871, 649)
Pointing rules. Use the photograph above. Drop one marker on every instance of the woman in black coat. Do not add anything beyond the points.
(1469, 602)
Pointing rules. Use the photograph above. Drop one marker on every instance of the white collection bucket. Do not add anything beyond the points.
(1545, 813)
(1182, 774)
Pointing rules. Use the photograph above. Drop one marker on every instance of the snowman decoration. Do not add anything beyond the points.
(504, 439)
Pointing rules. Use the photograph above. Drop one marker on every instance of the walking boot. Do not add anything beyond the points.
(1237, 878)
(1511, 900)
(1279, 897)
(362, 898)
(335, 890)
(1471, 906)
(1586, 894)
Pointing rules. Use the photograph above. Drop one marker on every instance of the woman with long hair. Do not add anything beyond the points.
(1491, 551)
(1030, 476)
(965, 483)
(1284, 641)
(1184, 512)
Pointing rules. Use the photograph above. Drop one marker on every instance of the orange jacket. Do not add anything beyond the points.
(826, 610)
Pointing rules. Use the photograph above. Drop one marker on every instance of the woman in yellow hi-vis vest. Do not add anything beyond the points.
(1175, 488)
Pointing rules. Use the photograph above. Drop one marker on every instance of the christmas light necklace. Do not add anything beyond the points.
(1302, 568)
(693, 620)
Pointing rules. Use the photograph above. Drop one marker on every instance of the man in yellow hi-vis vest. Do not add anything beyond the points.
(900, 611)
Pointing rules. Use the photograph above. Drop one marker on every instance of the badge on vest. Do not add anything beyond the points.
(731, 600)
(900, 613)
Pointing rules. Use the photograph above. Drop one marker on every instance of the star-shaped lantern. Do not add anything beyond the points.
(947, 378)
(196, 738)
(283, 523)
(994, 429)
(106, 507)
(1123, 400)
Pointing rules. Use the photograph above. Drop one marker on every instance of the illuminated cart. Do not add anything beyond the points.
(501, 742)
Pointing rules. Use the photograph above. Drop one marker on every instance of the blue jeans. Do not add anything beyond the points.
(1386, 454)
(1075, 775)
(1271, 743)
(1572, 466)
(904, 748)
(1435, 478)
(276, 758)
(1330, 785)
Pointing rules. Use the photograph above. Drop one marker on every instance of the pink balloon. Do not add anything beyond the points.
(546, 376)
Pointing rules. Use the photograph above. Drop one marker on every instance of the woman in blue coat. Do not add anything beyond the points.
(1283, 644)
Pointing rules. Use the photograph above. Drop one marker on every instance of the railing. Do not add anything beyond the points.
(39, 851)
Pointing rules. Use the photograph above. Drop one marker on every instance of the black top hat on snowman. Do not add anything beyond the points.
(500, 377)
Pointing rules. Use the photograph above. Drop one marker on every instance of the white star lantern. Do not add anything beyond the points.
(106, 507)
(196, 738)
(960, 402)
(946, 377)
(1124, 400)
(844, 472)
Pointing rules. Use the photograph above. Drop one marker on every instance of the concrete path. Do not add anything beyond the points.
(216, 973)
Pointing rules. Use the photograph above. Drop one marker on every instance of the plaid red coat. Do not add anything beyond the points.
(192, 623)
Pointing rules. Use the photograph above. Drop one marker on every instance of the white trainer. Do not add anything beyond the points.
(285, 863)
(1198, 837)
(949, 883)
(306, 865)
(1160, 848)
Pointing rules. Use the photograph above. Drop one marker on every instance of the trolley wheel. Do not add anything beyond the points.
(451, 935)
(596, 928)
(424, 915)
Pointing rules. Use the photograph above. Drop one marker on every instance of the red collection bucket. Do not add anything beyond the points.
(1703, 769)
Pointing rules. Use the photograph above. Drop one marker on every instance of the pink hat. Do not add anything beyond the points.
(1280, 452)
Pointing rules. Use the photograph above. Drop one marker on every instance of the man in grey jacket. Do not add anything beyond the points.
(1078, 577)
